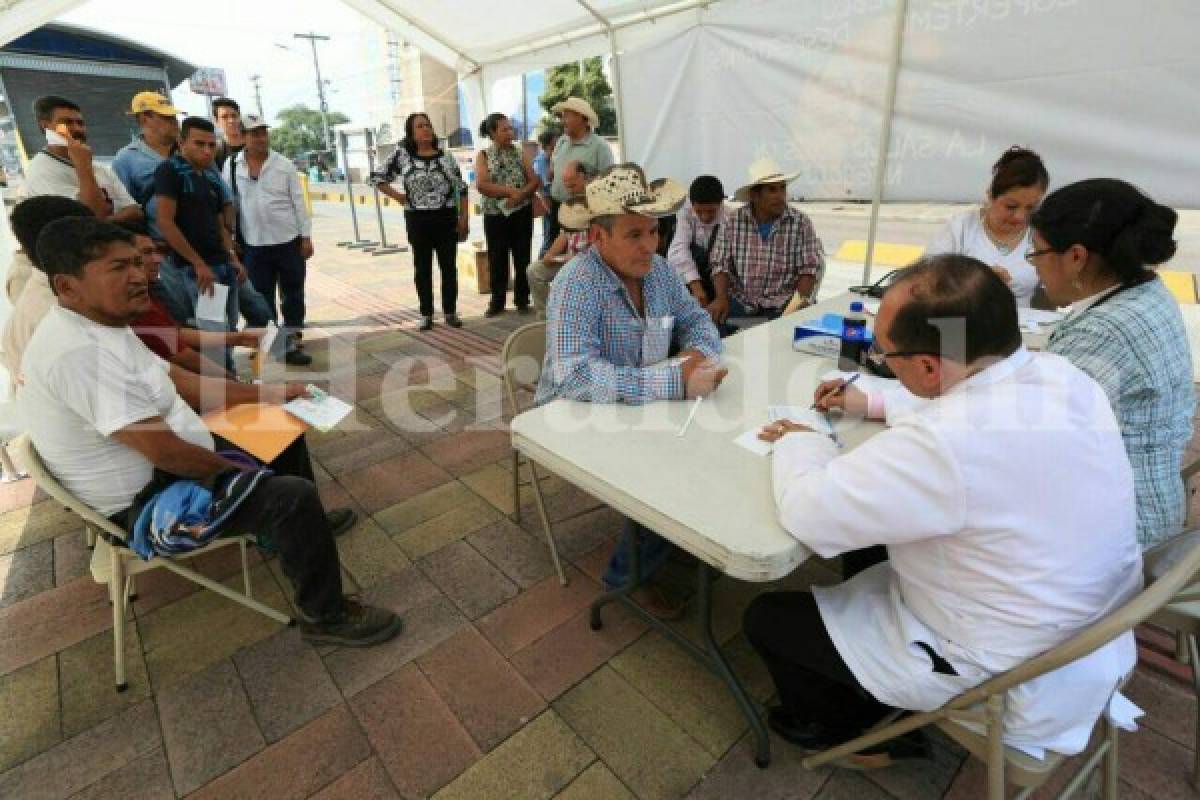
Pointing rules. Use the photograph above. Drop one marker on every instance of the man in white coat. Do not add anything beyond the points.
(1005, 501)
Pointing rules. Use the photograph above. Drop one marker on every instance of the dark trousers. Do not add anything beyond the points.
(279, 267)
(550, 227)
(813, 681)
(509, 235)
(287, 509)
(432, 232)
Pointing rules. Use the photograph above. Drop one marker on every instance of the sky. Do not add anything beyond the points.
(241, 36)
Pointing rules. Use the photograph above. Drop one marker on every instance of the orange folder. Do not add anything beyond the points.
(261, 429)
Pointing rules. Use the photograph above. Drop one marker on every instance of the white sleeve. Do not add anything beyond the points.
(296, 191)
(679, 254)
(947, 240)
(119, 195)
(901, 485)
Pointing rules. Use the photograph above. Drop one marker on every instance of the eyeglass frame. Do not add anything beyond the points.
(878, 356)
(1030, 255)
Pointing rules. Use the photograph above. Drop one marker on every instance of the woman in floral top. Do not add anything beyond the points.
(505, 178)
(435, 212)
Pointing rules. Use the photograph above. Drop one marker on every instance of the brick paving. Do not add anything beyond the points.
(496, 689)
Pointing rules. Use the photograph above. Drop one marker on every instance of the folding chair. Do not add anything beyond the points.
(115, 564)
(984, 705)
(522, 357)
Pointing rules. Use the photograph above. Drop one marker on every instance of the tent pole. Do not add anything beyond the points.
(885, 135)
(616, 72)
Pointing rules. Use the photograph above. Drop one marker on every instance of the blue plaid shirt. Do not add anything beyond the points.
(1135, 346)
(600, 349)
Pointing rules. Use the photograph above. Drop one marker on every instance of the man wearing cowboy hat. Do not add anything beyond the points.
(614, 312)
(768, 251)
(578, 142)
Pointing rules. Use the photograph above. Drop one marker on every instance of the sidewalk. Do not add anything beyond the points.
(496, 689)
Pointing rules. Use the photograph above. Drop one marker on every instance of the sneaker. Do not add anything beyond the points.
(296, 358)
(453, 321)
(426, 323)
(493, 312)
(355, 625)
(341, 520)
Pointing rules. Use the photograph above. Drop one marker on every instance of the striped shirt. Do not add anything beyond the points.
(1134, 345)
(764, 274)
(600, 349)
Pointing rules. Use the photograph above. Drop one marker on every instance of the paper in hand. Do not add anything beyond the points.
(211, 307)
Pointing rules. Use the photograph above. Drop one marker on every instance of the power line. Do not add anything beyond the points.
(255, 79)
(313, 38)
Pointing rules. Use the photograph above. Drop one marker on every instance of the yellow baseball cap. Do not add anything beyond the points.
(152, 101)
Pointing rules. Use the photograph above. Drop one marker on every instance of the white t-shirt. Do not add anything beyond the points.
(964, 235)
(83, 381)
(49, 174)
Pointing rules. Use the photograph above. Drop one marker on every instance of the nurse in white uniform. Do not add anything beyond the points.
(997, 233)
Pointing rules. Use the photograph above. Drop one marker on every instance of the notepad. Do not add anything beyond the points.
(212, 306)
(320, 411)
(261, 429)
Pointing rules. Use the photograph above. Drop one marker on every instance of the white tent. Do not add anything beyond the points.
(892, 99)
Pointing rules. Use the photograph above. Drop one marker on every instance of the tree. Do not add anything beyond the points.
(299, 130)
(566, 81)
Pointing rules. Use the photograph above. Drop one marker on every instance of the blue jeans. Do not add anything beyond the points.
(653, 553)
(736, 309)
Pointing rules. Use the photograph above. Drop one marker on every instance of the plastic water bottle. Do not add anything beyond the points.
(854, 339)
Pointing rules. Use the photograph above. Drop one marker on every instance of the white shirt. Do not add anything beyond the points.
(1007, 508)
(964, 234)
(83, 381)
(688, 230)
(19, 271)
(271, 207)
(49, 174)
(35, 302)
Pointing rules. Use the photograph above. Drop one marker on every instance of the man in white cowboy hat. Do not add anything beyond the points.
(579, 142)
(766, 253)
(614, 312)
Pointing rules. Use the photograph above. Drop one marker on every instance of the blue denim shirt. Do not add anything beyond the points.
(135, 164)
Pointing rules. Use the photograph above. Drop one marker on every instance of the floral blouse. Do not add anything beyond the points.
(507, 168)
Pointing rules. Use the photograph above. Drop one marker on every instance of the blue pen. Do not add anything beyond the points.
(839, 389)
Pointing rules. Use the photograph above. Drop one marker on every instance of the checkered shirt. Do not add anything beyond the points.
(764, 274)
(600, 349)
(1135, 346)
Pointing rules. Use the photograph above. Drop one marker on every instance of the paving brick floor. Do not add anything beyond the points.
(497, 688)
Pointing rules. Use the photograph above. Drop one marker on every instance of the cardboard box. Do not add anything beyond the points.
(473, 265)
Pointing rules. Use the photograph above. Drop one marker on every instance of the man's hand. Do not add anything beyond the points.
(697, 290)
(306, 248)
(701, 374)
(1002, 274)
(718, 309)
(250, 337)
(238, 270)
(831, 395)
(204, 277)
(280, 393)
(464, 228)
(79, 154)
(777, 430)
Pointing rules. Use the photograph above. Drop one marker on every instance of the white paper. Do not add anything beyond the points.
(820, 423)
(212, 306)
(55, 139)
(323, 413)
(1032, 320)
(268, 338)
(751, 442)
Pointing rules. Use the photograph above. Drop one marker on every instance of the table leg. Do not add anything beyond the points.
(622, 592)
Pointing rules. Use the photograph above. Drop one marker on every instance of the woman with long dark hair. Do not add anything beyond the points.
(504, 176)
(435, 212)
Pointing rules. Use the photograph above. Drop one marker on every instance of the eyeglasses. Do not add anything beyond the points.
(1032, 254)
(878, 357)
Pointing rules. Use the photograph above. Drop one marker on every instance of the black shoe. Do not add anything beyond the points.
(911, 746)
(426, 323)
(492, 311)
(355, 625)
(341, 520)
(297, 358)
(453, 321)
(812, 737)
(525, 309)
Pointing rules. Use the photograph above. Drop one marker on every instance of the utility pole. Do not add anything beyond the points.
(255, 79)
(312, 40)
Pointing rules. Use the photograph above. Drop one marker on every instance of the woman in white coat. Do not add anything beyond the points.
(997, 233)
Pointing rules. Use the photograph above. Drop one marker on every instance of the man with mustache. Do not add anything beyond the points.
(67, 169)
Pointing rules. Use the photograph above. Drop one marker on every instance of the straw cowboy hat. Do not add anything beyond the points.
(762, 172)
(579, 106)
(622, 189)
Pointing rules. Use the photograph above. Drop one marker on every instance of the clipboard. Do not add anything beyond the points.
(261, 429)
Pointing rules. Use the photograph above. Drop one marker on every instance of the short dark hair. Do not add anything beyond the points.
(44, 106)
(706, 189)
(1115, 221)
(1018, 168)
(195, 123)
(225, 102)
(409, 142)
(489, 124)
(31, 215)
(547, 138)
(66, 245)
(951, 287)
(137, 227)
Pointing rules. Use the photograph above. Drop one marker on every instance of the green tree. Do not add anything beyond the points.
(566, 81)
(299, 130)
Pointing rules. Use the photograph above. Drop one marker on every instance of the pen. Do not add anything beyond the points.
(838, 390)
(691, 414)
